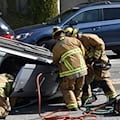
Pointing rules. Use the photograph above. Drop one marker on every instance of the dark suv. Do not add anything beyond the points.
(101, 18)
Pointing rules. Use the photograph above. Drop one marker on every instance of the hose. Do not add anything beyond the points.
(89, 114)
(104, 106)
(39, 95)
(55, 117)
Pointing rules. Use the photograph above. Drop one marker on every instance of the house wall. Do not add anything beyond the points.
(63, 5)
(66, 4)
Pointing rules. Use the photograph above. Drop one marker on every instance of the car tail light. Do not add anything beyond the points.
(10, 36)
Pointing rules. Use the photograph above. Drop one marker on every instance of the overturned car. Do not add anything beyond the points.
(24, 62)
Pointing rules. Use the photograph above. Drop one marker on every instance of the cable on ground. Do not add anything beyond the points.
(55, 117)
(51, 116)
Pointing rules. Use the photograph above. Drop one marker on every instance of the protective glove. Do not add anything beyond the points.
(99, 64)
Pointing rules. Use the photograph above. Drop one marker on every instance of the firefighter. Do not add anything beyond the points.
(68, 55)
(6, 81)
(97, 62)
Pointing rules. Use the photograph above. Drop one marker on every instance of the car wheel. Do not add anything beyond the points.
(47, 43)
(117, 51)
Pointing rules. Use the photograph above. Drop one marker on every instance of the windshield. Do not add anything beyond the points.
(62, 17)
(4, 27)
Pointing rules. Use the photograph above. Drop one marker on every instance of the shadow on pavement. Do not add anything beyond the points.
(113, 56)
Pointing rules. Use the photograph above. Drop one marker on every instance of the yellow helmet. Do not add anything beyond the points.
(56, 30)
(69, 31)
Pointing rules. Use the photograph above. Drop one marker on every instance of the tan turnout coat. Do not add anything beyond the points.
(65, 45)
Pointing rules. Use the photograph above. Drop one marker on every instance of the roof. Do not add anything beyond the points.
(97, 3)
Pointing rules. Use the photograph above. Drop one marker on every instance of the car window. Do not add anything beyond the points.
(111, 13)
(3, 27)
(62, 17)
(88, 16)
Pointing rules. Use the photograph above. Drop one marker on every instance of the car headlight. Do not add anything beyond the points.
(23, 36)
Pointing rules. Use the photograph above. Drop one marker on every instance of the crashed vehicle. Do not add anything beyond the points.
(25, 62)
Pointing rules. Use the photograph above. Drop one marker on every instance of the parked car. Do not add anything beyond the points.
(101, 18)
(5, 30)
(25, 62)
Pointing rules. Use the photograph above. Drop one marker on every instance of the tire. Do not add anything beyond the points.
(47, 43)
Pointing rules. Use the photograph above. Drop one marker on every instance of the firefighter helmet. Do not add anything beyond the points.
(56, 30)
(69, 31)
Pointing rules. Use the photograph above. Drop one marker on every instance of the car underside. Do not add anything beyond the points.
(25, 62)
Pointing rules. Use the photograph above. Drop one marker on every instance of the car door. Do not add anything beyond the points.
(110, 27)
(88, 21)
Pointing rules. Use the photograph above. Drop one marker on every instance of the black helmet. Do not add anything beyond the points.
(56, 30)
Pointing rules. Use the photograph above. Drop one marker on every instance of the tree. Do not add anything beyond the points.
(42, 10)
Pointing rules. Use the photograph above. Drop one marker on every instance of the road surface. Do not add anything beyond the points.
(31, 112)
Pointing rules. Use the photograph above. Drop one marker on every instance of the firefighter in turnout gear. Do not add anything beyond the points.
(68, 54)
(6, 81)
(97, 62)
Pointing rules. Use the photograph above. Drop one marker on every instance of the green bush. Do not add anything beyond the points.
(39, 11)
(42, 10)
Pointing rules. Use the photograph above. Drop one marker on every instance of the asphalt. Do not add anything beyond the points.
(56, 106)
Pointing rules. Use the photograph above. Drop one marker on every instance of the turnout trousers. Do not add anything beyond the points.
(101, 78)
(72, 91)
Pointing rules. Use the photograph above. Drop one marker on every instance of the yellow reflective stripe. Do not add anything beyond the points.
(66, 63)
(61, 38)
(74, 71)
(71, 70)
(97, 53)
(70, 52)
(2, 92)
(89, 54)
(70, 106)
(2, 85)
